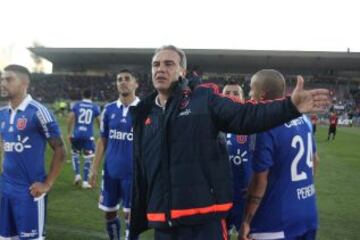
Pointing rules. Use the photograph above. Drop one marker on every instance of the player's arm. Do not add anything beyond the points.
(97, 120)
(57, 161)
(39, 188)
(99, 153)
(98, 116)
(261, 163)
(257, 190)
(100, 148)
(316, 161)
(70, 124)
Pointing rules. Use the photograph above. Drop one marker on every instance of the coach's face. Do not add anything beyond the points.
(166, 69)
(126, 84)
(13, 84)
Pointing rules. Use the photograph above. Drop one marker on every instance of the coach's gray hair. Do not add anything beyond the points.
(180, 52)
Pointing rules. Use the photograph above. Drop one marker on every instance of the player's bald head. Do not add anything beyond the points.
(270, 82)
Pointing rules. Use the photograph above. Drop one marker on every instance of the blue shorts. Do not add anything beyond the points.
(113, 192)
(21, 217)
(79, 145)
(309, 235)
(234, 218)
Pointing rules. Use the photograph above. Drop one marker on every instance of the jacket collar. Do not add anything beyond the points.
(145, 105)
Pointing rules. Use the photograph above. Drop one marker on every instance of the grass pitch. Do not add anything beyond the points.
(73, 213)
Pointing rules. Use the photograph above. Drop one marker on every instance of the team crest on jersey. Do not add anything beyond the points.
(21, 123)
(112, 116)
(241, 138)
(2, 125)
(123, 120)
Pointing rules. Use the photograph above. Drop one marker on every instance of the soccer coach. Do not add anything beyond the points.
(182, 186)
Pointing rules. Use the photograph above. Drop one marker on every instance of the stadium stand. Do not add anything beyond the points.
(74, 70)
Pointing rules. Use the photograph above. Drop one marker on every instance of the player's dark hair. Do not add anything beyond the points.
(87, 93)
(18, 69)
(132, 73)
(231, 82)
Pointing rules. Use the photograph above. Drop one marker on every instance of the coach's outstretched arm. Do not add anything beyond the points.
(252, 117)
(39, 188)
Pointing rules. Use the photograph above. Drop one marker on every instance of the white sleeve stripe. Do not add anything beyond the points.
(41, 118)
(44, 112)
(40, 115)
(44, 116)
(47, 113)
(41, 111)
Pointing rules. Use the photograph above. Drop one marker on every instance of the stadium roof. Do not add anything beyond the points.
(209, 60)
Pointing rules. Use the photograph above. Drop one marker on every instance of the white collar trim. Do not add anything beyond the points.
(23, 104)
(134, 103)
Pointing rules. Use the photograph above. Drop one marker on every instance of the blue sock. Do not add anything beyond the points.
(87, 165)
(75, 158)
(113, 229)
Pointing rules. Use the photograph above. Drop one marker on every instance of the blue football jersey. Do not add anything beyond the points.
(24, 132)
(288, 208)
(240, 156)
(85, 112)
(116, 127)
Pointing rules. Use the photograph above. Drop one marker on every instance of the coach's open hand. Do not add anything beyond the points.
(315, 100)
